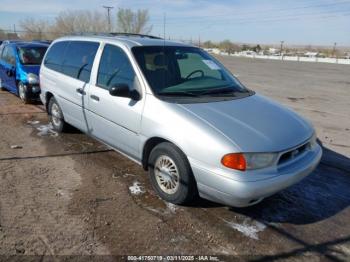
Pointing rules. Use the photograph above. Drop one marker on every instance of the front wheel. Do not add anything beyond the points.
(23, 93)
(171, 174)
(56, 116)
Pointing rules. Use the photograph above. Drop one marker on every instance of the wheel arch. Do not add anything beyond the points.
(152, 143)
(48, 96)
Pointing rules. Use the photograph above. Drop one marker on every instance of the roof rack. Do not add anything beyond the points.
(117, 34)
(133, 34)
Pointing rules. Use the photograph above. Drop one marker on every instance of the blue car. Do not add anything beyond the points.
(19, 68)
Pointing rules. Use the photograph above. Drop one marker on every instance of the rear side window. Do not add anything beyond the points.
(115, 68)
(8, 55)
(79, 58)
(55, 56)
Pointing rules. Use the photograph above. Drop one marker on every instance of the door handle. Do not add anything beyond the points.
(80, 91)
(96, 98)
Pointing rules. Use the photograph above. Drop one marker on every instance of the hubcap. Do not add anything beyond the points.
(55, 115)
(22, 91)
(167, 174)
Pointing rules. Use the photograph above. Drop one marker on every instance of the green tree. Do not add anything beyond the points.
(257, 48)
(2, 34)
(136, 22)
(228, 46)
(209, 44)
(246, 47)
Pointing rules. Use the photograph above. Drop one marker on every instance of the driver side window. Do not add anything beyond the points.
(191, 62)
(115, 68)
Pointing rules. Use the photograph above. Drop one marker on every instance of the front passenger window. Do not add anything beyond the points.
(115, 68)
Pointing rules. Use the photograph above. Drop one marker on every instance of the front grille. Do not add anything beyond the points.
(290, 155)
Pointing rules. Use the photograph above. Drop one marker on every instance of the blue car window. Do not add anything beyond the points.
(32, 55)
(8, 55)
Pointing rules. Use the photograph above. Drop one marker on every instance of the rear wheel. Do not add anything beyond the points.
(1, 85)
(23, 93)
(56, 116)
(171, 174)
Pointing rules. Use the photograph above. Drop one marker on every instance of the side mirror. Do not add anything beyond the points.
(123, 90)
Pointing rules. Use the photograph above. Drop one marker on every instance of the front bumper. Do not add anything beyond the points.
(222, 189)
(33, 91)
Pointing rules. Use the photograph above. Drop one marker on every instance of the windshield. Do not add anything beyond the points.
(31, 55)
(186, 72)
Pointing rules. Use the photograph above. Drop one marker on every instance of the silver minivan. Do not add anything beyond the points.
(176, 110)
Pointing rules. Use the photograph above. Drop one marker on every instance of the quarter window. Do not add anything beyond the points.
(115, 68)
(79, 59)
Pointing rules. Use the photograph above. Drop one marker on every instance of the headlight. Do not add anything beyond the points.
(33, 79)
(248, 161)
(313, 141)
(260, 160)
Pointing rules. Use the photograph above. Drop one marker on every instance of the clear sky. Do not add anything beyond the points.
(314, 22)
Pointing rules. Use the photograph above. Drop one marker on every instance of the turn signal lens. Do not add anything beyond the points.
(234, 161)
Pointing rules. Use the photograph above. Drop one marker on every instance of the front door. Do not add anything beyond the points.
(115, 120)
(9, 69)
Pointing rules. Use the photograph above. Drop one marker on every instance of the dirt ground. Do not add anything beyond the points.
(66, 194)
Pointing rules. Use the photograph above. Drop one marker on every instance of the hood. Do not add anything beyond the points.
(34, 69)
(254, 124)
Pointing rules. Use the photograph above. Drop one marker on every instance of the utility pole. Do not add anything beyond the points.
(199, 41)
(281, 50)
(334, 49)
(335, 52)
(108, 8)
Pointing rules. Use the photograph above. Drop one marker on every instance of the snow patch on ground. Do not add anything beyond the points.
(34, 122)
(171, 207)
(248, 229)
(136, 188)
(16, 147)
(46, 130)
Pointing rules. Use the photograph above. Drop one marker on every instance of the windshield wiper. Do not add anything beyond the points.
(177, 93)
(219, 91)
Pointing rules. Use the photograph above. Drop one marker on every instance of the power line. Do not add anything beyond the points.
(258, 12)
(275, 18)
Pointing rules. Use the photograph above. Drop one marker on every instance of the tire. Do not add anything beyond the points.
(176, 184)
(22, 93)
(1, 85)
(56, 116)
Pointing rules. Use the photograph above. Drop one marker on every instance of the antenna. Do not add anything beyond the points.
(108, 8)
(164, 23)
(164, 73)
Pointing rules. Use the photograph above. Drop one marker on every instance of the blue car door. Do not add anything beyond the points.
(8, 75)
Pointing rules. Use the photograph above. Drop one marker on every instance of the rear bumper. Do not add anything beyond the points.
(231, 192)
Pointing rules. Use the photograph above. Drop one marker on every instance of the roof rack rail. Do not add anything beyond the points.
(133, 34)
(116, 34)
